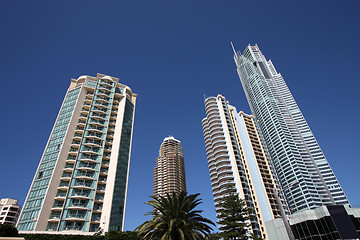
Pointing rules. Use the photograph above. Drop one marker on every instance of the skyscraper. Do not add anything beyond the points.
(303, 170)
(236, 158)
(169, 172)
(81, 181)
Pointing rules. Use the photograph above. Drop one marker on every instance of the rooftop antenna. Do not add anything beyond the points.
(232, 45)
(204, 97)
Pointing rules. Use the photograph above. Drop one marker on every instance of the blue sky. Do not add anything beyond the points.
(172, 53)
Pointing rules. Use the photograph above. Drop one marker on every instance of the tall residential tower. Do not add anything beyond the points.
(169, 173)
(81, 181)
(236, 158)
(303, 170)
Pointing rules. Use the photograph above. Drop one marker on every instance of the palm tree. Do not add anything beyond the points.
(174, 218)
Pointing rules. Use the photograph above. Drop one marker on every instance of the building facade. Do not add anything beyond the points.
(169, 172)
(236, 157)
(323, 223)
(9, 211)
(81, 181)
(292, 146)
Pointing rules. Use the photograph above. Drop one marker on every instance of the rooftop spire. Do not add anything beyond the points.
(232, 45)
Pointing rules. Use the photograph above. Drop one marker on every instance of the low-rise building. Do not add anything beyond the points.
(9, 211)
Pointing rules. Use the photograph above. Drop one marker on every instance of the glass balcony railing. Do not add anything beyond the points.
(80, 205)
(77, 135)
(92, 166)
(85, 175)
(58, 205)
(81, 216)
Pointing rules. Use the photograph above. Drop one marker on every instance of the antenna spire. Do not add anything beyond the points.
(232, 45)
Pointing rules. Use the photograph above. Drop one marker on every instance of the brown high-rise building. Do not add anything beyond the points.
(169, 173)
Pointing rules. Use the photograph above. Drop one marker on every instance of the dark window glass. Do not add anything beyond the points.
(117, 210)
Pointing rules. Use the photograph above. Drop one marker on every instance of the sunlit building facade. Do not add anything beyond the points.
(169, 172)
(236, 157)
(81, 182)
(9, 211)
(303, 170)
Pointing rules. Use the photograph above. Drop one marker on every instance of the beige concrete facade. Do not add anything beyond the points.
(9, 211)
(236, 157)
(169, 173)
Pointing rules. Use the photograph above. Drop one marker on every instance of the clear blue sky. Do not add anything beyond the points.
(172, 53)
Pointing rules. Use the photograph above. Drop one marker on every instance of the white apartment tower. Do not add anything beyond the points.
(294, 151)
(236, 157)
(169, 172)
(81, 182)
(9, 211)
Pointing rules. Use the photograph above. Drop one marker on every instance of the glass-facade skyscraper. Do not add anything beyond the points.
(304, 172)
(81, 181)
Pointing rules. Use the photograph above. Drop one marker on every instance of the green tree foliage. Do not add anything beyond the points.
(111, 235)
(233, 216)
(8, 230)
(60, 237)
(174, 218)
(115, 235)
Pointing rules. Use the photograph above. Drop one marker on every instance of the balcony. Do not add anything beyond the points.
(87, 100)
(88, 160)
(57, 207)
(66, 176)
(99, 199)
(98, 116)
(99, 123)
(103, 172)
(103, 99)
(87, 167)
(93, 142)
(105, 88)
(100, 110)
(105, 163)
(100, 189)
(102, 180)
(63, 187)
(85, 176)
(83, 116)
(84, 186)
(94, 129)
(97, 210)
(107, 149)
(96, 136)
(61, 196)
(106, 84)
(78, 206)
(76, 217)
(103, 94)
(79, 130)
(85, 196)
(92, 151)
(106, 156)
(69, 168)
(54, 218)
